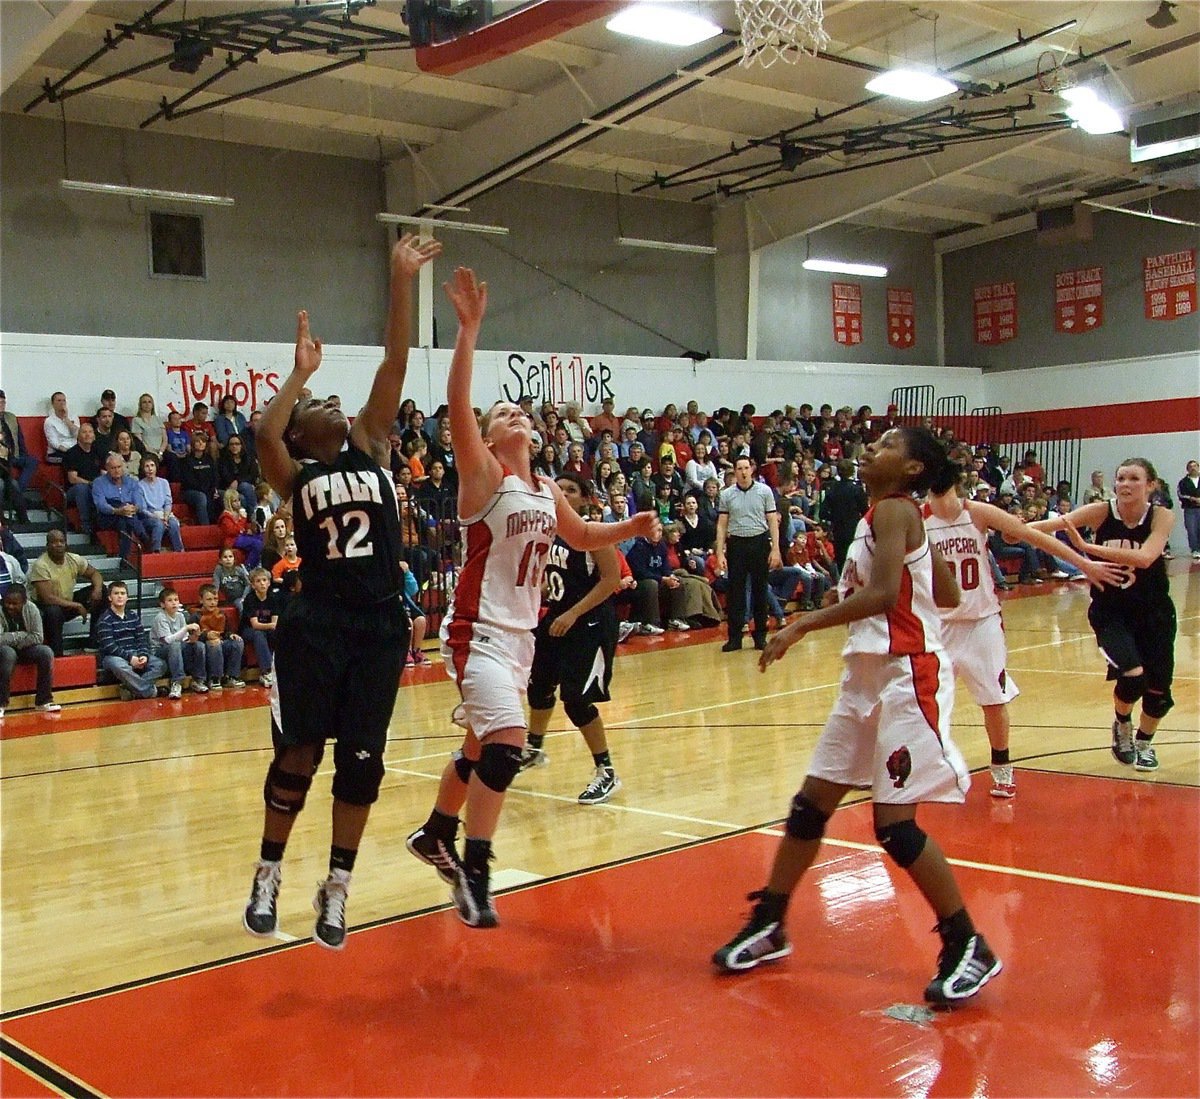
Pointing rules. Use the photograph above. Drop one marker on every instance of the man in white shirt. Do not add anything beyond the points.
(61, 430)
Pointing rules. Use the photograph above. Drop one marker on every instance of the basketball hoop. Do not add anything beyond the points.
(780, 30)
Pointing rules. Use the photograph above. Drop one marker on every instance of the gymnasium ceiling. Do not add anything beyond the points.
(577, 109)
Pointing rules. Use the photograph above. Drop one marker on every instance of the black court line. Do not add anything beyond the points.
(46, 1073)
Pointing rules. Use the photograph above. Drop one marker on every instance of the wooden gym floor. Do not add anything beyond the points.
(130, 831)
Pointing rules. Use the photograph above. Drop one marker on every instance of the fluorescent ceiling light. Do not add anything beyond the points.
(911, 84)
(1089, 112)
(439, 223)
(667, 245)
(837, 267)
(1138, 213)
(662, 23)
(145, 192)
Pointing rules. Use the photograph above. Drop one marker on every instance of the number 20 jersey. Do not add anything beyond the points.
(965, 549)
(347, 530)
(508, 541)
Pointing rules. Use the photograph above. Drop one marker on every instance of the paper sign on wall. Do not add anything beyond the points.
(1170, 285)
(901, 318)
(847, 312)
(1079, 300)
(996, 312)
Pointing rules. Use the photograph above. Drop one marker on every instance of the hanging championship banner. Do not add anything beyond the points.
(1079, 300)
(847, 312)
(901, 319)
(1170, 284)
(996, 312)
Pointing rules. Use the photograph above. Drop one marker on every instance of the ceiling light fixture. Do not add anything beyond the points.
(664, 24)
(1138, 213)
(1089, 112)
(912, 84)
(439, 223)
(1164, 17)
(838, 267)
(145, 192)
(667, 246)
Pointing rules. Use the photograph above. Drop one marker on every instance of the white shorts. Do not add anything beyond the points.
(491, 667)
(978, 652)
(889, 731)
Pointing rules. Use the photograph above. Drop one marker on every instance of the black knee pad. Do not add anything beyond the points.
(580, 713)
(540, 698)
(1156, 704)
(805, 821)
(498, 766)
(357, 775)
(1130, 688)
(462, 766)
(903, 841)
(279, 780)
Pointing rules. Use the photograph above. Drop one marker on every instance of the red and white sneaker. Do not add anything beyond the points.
(1003, 785)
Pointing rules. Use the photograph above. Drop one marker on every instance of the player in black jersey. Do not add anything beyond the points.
(574, 645)
(340, 643)
(1134, 623)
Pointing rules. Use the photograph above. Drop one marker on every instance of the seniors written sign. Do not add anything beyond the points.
(847, 312)
(1170, 285)
(996, 312)
(1079, 300)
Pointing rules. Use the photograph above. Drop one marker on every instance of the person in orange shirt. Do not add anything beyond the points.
(222, 648)
(289, 561)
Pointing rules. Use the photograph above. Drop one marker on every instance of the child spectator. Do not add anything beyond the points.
(289, 562)
(124, 646)
(179, 442)
(264, 505)
(237, 532)
(412, 595)
(231, 580)
(222, 649)
(260, 616)
(173, 639)
(22, 642)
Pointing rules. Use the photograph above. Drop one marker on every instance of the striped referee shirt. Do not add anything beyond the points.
(747, 509)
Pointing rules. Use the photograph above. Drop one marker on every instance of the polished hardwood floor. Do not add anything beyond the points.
(128, 844)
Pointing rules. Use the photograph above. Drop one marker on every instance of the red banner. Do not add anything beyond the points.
(901, 319)
(1170, 281)
(1079, 300)
(847, 312)
(996, 312)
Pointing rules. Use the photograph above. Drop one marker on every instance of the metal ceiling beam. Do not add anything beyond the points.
(28, 30)
(938, 212)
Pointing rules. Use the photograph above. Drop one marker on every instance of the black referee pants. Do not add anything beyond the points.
(747, 559)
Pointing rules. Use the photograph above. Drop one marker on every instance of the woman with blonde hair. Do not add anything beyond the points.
(148, 428)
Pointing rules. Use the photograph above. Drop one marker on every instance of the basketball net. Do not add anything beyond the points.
(780, 30)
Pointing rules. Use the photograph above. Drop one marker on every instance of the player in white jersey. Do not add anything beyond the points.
(973, 632)
(510, 519)
(889, 729)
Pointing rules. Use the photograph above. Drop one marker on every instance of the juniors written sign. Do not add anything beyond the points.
(1170, 285)
(901, 318)
(996, 312)
(1079, 300)
(847, 312)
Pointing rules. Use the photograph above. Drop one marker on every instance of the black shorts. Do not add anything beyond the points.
(580, 662)
(337, 671)
(1145, 639)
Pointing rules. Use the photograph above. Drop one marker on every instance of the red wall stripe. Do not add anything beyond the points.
(1096, 421)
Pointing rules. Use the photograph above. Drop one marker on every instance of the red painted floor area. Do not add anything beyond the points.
(599, 984)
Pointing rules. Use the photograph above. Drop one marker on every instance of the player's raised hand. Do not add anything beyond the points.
(468, 297)
(409, 254)
(308, 350)
(648, 524)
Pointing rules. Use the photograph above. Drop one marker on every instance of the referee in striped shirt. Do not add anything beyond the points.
(748, 528)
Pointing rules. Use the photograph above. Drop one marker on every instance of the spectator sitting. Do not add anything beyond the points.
(229, 422)
(415, 451)
(414, 534)
(149, 429)
(222, 648)
(200, 421)
(649, 564)
(198, 481)
(260, 617)
(618, 512)
(697, 606)
(264, 504)
(123, 445)
(277, 533)
(1097, 490)
(578, 429)
(124, 645)
(250, 435)
(700, 468)
(82, 464)
(179, 442)
(10, 545)
(60, 430)
(11, 572)
(289, 562)
(108, 403)
(106, 431)
(114, 498)
(606, 419)
(231, 580)
(1032, 468)
(55, 577)
(154, 502)
(698, 532)
(641, 597)
(237, 531)
(412, 595)
(22, 642)
(575, 462)
(174, 641)
(237, 470)
(631, 459)
(13, 450)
